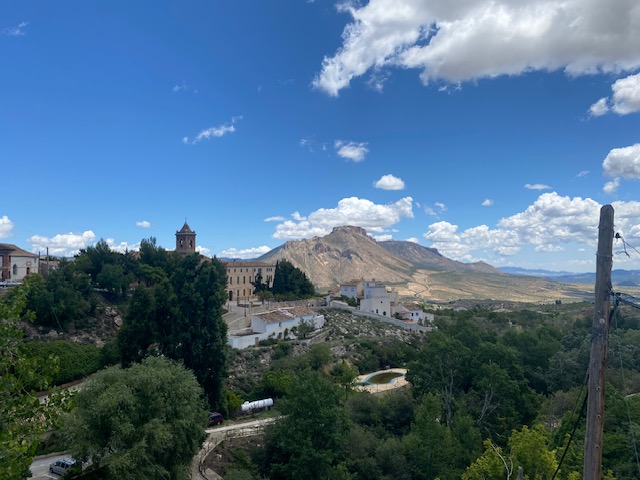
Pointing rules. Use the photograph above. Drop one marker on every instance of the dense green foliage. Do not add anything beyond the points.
(23, 418)
(177, 312)
(290, 282)
(491, 392)
(76, 360)
(146, 421)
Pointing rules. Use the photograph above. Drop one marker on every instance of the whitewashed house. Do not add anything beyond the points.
(375, 299)
(350, 289)
(275, 324)
(410, 312)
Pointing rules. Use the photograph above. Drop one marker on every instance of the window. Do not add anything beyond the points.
(15, 269)
(190, 243)
(244, 279)
(181, 242)
(230, 280)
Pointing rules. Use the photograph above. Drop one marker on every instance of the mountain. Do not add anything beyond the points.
(348, 253)
(622, 278)
(431, 259)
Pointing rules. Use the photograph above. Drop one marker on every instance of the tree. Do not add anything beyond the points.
(181, 317)
(23, 418)
(289, 281)
(527, 448)
(308, 441)
(146, 421)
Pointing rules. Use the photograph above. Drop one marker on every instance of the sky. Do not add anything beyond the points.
(490, 130)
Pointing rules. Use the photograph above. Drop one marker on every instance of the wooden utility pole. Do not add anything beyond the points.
(599, 345)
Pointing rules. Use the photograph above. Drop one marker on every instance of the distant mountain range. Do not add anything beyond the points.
(626, 278)
(348, 253)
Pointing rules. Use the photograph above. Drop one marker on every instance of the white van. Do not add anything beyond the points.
(61, 466)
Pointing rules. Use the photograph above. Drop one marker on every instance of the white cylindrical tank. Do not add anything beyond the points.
(257, 405)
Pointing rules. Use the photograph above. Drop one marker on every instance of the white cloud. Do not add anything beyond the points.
(274, 219)
(550, 224)
(487, 202)
(389, 182)
(214, 132)
(385, 237)
(537, 186)
(244, 253)
(430, 211)
(623, 162)
(461, 41)
(203, 250)
(297, 217)
(122, 247)
(184, 87)
(349, 211)
(612, 186)
(353, 151)
(441, 206)
(413, 240)
(583, 173)
(143, 224)
(599, 108)
(64, 244)
(17, 31)
(625, 99)
(626, 95)
(6, 225)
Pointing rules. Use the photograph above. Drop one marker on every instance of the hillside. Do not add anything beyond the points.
(349, 253)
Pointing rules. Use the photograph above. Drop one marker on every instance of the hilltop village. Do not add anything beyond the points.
(188, 365)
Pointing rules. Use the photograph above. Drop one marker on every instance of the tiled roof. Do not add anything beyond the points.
(412, 307)
(284, 314)
(350, 283)
(17, 251)
(186, 229)
(247, 264)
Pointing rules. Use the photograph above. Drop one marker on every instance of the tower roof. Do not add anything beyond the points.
(186, 229)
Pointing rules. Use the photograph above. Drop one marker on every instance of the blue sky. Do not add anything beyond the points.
(492, 131)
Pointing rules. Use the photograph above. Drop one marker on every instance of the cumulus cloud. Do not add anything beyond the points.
(6, 225)
(612, 186)
(390, 182)
(413, 240)
(17, 31)
(122, 247)
(487, 202)
(245, 253)
(623, 162)
(456, 42)
(550, 224)
(625, 98)
(62, 244)
(385, 237)
(355, 211)
(353, 151)
(213, 132)
(143, 224)
(203, 250)
(537, 186)
(599, 108)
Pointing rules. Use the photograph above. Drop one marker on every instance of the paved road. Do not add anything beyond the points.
(40, 466)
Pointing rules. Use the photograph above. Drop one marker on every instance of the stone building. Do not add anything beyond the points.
(16, 263)
(185, 240)
(242, 274)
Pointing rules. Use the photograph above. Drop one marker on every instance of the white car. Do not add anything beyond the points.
(61, 466)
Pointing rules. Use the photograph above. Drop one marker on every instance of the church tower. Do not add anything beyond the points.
(185, 240)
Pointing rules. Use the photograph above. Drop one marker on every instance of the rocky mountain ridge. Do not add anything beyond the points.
(349, 253)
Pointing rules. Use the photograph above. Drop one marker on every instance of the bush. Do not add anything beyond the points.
(76, 361)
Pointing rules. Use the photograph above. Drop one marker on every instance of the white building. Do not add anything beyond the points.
(275, 324)
(411, 312)
(376, 299)
(16, 263)
(349, 289)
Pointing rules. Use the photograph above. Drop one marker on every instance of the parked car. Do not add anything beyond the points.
(61, 466)
(215, 418)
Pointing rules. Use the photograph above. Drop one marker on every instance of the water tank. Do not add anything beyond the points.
(257, 405)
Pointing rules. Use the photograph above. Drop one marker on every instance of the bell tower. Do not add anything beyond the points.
(185, 240)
